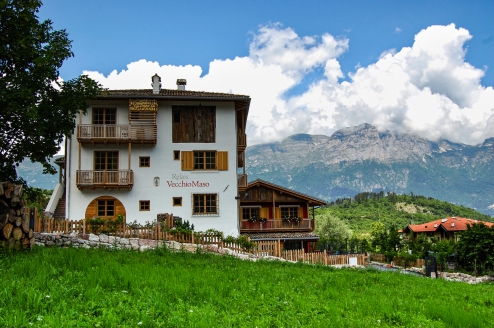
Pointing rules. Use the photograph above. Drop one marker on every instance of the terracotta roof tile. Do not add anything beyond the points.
(449, 224)
(169, 93)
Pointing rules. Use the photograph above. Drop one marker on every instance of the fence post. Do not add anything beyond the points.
(325, 258)
(223, 237)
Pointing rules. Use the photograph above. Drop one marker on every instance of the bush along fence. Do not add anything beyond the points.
(381, 258)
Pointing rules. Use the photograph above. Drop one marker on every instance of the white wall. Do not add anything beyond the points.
(224, 183)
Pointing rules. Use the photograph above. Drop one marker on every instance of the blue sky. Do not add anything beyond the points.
(313, 86)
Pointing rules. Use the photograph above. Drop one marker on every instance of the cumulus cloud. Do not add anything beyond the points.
(427, 88)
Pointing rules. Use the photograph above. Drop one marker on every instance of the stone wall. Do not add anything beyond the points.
(91, 240)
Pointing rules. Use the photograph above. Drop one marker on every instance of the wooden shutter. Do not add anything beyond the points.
(277, 213)
(301, 212)
(187, 160)
(264, 212)
(222, 160)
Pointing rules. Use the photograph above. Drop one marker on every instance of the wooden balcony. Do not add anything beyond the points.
(88, 179)
(116, 133)
(276, 225)
(242, 182)
(241, 141)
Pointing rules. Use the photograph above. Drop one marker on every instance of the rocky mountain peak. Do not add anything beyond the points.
(363, 159)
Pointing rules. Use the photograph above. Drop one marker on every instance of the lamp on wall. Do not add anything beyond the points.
(156, 181)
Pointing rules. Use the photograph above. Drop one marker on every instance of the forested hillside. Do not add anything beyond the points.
(389, 208)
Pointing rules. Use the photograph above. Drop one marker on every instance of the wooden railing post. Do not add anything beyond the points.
(278, 246)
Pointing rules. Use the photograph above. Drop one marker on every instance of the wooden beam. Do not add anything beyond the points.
(128, 155)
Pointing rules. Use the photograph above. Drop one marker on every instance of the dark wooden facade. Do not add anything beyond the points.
(270, 201)
(194, 124)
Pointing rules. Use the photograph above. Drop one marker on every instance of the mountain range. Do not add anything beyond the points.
(363, 159)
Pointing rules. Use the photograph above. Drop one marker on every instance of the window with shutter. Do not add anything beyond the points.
(204, 160)
(187, 160)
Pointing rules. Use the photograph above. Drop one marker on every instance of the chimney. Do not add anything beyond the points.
(156, 83)
(181, 83)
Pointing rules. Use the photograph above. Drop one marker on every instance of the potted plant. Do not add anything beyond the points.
(253, 219)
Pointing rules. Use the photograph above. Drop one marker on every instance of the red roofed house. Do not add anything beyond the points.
(447, 228)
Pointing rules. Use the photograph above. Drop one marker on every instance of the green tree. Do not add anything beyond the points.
(332, 229)
(37, 109)
(476, 248)
(379, 237)
(442, 250)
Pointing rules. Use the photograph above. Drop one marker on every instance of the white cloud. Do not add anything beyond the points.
(397, 30)
(427, 88)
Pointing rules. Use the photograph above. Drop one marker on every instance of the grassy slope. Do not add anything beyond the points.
(102, 288)
(399, 209)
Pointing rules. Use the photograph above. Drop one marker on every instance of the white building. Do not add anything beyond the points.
(143, 152)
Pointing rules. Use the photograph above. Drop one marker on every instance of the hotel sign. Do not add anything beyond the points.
(179, 181)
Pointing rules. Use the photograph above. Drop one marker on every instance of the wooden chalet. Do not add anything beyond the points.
(272, 212)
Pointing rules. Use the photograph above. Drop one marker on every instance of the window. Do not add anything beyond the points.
(204, 160)
(176, 116)
(144, 205)
(106, 160)
(177, 201)
(289, 212)
(204, 204)
(106, 208)
(104, 116)
(249, 212)
(144, 161)
(193, 124)
(176, 155)
(292, 245)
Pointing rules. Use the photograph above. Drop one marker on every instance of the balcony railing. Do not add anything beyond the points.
(116, 133)
(104, 179)
(242, 181)
(241, 141)
(277, 225)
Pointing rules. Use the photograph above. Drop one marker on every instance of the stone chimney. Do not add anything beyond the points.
(156, 84)
(181, 83)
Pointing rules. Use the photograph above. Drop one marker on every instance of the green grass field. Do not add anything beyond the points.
(50, 287)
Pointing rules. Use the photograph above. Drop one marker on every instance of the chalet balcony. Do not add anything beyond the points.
(241, 141)
(116, 133)
(88, 179)
(242, 182)
(277, 225)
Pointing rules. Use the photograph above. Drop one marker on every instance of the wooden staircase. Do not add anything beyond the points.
(60, 210)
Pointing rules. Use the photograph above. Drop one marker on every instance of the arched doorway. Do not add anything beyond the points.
(105, 207)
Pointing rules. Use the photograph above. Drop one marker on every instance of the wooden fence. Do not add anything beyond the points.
(156, 232)
(322, 257)
(397, 261)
